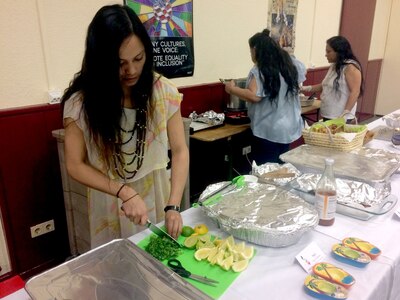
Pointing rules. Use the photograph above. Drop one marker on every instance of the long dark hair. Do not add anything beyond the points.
(344, 53)
(98, 80)
(272, 60)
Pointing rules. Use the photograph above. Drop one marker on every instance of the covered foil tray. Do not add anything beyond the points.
(354, 194)
(261, 213)
(274, 173)
(373, 166)
(117, 270)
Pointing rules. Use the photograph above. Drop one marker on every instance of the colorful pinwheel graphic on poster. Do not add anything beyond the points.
(169, 24)
(282, 22)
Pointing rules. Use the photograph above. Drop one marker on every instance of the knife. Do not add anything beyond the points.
(161, 233)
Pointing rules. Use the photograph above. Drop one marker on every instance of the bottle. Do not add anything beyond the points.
(325, 195)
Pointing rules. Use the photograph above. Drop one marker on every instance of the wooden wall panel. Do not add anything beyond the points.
(371, 83)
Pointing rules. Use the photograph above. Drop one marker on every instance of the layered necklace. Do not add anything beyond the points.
(132, 145)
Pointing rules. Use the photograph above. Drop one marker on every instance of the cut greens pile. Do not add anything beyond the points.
(162, 248)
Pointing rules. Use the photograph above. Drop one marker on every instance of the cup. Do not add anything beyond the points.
(396, 137)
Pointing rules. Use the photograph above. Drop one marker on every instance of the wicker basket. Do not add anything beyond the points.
(334, 141)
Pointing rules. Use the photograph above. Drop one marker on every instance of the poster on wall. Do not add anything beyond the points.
(169, 24)
(282, 22)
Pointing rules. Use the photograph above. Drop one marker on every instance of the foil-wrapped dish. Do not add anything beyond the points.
(209, 117)
(354, 194)
(392, 120)
(260, 213)
(278, 174)
(117, 270)
(373, 166)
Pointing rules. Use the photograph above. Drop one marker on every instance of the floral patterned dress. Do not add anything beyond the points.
(152, 181)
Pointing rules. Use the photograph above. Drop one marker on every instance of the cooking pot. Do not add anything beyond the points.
(234, 103)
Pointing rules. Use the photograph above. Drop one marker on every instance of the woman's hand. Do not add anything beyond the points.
(229, 85)
(173, 223)
(135, 210)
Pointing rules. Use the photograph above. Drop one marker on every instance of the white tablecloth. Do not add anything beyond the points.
(274, 273)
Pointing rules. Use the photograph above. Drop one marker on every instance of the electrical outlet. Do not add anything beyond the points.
(246, 150)
(42, 228)
(55, 96)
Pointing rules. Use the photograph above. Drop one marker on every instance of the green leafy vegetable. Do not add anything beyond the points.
(162, 248)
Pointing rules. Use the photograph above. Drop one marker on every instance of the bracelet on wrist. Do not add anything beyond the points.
(172, 207)
(119, 190)
(131, 197)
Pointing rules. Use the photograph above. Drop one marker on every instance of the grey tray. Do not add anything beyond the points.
(118, 270)
(373, 166)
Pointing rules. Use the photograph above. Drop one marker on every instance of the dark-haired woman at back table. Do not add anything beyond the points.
(272, 93)
(342, 84)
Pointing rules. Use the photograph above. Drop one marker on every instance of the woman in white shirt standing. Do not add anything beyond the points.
(343, 83)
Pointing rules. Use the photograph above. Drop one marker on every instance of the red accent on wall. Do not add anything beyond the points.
(373, 73)
(31, 184)
(356, 25)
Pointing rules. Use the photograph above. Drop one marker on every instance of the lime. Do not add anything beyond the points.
(191, 241)
(187, 231)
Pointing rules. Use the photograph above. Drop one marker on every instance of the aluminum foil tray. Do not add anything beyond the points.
(373, 166)
(354, 194)
(278, 174)
(117, 270)
(260, 213)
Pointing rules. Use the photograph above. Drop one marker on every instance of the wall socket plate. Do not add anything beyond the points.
(54, 96)
(42, 228)
(246, 150)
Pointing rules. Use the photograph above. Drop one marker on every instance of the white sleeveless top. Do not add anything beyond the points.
(334, 101)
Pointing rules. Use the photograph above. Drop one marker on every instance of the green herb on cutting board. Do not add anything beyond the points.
(162, 248)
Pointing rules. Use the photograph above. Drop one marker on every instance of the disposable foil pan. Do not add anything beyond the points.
(373, 166)
(261, 213)
(280, 174)
(117, 270)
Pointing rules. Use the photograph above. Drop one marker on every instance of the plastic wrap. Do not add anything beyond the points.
(373, 166)
(117, 270)
(263, 214)
(354, 194)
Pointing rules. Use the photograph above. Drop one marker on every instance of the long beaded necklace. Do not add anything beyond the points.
(130, 152)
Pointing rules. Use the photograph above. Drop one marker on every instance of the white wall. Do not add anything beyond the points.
(42, 42)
